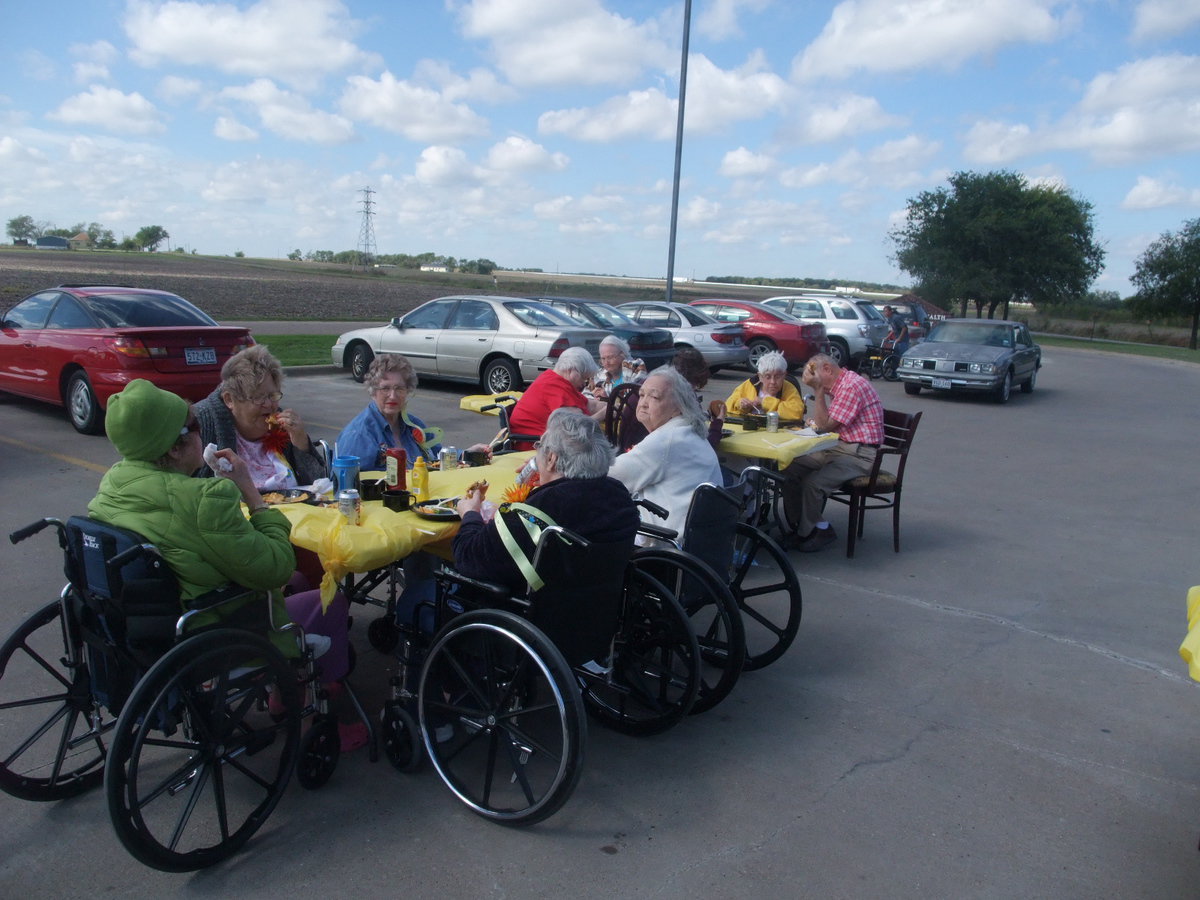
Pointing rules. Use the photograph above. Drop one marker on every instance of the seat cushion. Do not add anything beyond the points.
(885, 483)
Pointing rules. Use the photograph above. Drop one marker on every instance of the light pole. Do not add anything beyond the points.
(687, 27)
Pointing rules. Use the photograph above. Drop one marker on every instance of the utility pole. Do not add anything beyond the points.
(366, 233)
(687, 27)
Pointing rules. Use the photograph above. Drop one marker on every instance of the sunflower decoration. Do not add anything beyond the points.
(518, 493)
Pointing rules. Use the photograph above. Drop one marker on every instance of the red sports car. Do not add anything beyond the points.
(769, 329)
(77, 345)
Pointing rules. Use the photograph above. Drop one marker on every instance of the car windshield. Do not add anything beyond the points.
(144, 311)
(870, 311)
(537, 315)
(970, 333)
(609, 316)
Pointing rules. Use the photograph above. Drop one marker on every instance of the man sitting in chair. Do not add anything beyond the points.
(844, 402)
(574, 491)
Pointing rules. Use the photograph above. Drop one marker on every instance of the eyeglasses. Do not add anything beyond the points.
(263, 399)
(537, 445)
(392, 391)
(191, 426)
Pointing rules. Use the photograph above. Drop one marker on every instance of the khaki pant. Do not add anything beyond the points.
(812, 478)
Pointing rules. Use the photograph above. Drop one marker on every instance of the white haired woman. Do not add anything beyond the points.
(616, 367)
(386, 422)
(675, 457)
(769, 392)
(554, 389)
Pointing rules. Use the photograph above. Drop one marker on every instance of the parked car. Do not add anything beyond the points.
(852, 325)
(914, 316)
(77, 345)
(499, 342)
(765, 329)
(653, 346)
(973, 355)
(720, 344)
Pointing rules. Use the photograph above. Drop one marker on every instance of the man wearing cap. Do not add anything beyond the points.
(899, 330)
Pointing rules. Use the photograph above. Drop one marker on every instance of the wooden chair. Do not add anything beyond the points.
(879, 488)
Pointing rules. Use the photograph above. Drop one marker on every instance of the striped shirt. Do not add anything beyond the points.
(857, 408)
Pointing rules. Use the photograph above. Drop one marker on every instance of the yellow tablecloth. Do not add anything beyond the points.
(476, 402)
(385, 536)
(1190, 648)
(781, 446)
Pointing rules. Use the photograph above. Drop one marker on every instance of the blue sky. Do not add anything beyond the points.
(541, 133)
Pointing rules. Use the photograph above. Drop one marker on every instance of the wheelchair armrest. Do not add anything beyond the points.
(449, 576)
(217, 597)
(769, 474)
(657, 531)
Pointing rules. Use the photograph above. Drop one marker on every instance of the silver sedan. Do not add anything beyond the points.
(499, 342)
(973, 355)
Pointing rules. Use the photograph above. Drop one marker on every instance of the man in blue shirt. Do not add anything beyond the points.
(899, 328)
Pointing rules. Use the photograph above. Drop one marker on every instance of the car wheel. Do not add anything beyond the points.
(83, 409)
(758, 348)
(1004, 388)
(500, 375)
(912, 389)
(360, 360)
(839, 352)
(1028, 385)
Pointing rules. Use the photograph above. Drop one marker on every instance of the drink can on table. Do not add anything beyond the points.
(350, 506)
(773, 421)
(448, 458)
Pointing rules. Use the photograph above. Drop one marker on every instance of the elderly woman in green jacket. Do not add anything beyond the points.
(198, 525)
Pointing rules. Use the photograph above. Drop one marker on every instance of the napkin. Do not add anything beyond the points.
(217, 464)
(322, 487)
(804, 432)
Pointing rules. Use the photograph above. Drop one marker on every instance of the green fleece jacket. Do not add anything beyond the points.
(198, 526)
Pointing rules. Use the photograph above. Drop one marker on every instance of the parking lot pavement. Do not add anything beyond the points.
(998, 710)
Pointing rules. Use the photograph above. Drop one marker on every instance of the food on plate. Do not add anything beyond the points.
(273, 497)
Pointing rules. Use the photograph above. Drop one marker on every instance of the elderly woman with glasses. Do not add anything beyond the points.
(769, 392)
(243, 414)
(385, 422)
(616, 368)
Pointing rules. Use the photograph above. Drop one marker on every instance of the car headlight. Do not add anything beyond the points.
(983, 368)
(908, 363)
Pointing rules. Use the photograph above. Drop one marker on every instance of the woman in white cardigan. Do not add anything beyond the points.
(676, 457)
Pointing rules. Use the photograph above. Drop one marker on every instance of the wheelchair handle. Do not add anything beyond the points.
(653, 507)
(132, 553)
(30, 530)
(657, 531)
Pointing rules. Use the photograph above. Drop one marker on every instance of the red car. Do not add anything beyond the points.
(769, 329)
(77, 345)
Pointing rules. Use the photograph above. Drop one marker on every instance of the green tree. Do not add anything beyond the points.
(149, 237)
(129, 244)
(993, 239)
(295, 255)
(1167, 277)
(23, 228)
(100, 236)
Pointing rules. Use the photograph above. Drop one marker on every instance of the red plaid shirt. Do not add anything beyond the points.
(857, 407)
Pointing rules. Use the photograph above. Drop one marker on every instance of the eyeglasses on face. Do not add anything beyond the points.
(263, 399)
(191, 426)
(394, 390)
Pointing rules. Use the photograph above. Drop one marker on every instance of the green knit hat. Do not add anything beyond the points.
(144, 421)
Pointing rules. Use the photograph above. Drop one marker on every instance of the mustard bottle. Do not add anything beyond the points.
(420, 480)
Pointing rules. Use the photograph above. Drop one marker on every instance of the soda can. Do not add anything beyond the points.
(448, 458)
(527, 470)
(773, 421)
(350, 506)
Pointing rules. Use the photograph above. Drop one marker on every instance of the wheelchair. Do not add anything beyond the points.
(499, 698)
(191, 722)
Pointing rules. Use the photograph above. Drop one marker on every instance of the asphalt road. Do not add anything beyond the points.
(998, 710)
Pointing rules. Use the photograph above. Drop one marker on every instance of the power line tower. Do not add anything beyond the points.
(366, 233)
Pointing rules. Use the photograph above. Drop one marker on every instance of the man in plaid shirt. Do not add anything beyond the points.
(844, 402)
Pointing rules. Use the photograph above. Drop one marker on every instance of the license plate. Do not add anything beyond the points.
(200, 356)
(943, 383)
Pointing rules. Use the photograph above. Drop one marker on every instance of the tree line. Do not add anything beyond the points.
(398, 260)
(24, 228)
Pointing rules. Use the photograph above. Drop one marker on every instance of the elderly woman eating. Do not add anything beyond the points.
(243, 414)
(386, 422)
(554, 389)
(769, 392)
(616, 368)
(675, 458)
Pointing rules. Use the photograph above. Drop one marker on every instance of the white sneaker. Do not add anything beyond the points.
(443, 733)
(595, 668)
(319, 644)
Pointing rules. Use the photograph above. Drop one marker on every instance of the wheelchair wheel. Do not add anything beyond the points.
(197, 763)
(653, 676)
(768, 594)
(320, 748)
(502, 719)
(889, 368)
(52, 732)
(383, 634)
(401, 737)
(714, 616)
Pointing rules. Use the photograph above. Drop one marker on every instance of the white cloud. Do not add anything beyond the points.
(290, 115)
(1151, 193)
(478, 84)
(519, 154)
(884, 36)
(893, 164)
(174, 89)
(229, 129)
(295, 41)
(1146, 108)
(847, 117)
(417, 113)
(1155, 19)
(89, 72)
(14, 153)
(700, 211)
(742, 163)
(718, 19)
(718, 97)
(111, 109)
(562, 42)
(638, 114)
(445, 166)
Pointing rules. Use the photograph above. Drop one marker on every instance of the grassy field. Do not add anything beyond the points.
(1154, 350)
